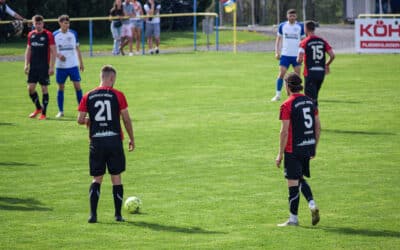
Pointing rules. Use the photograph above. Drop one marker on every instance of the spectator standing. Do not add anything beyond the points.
(116, 25)
(5, 10)
(153, 25)
(126, 35)
(137, 24)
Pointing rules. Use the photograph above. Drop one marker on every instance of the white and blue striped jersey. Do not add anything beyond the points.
(291, 36)
(66, 44)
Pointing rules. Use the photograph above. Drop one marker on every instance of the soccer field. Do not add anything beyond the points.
(207, 137)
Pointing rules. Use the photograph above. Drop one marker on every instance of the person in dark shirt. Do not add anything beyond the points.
(312, 51)
(40, 57)
(116, 25)
(299, 137)
(105, 105)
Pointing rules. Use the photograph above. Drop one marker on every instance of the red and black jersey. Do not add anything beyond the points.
(315, 49)
(301, 112)
(104, 105)
(40, 48)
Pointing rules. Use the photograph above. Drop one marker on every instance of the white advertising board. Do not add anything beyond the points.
(377, 35)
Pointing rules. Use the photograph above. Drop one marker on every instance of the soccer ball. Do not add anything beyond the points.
(132, 204)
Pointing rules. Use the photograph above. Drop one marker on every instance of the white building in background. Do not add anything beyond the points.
(352, 8)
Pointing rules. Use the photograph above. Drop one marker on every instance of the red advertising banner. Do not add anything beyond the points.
(377, 35)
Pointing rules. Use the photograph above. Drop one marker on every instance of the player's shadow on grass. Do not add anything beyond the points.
(354, 132)
(15, 164)
(363, 232)
(7, 124)
(159, 227)
(18, 204)
(338, 101)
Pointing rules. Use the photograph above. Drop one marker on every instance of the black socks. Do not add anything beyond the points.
(294, 199)
(94, 195)
(305, 189)
(118, 193)
(35, 99)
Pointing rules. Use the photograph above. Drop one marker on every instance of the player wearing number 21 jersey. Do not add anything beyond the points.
(313, 51)
(105, 105)
(299, 136)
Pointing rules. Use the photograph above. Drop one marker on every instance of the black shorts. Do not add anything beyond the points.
(106, 152)
(39, 75)
(312, 87)
(296, 166)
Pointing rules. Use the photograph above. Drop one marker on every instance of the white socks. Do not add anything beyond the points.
(293, 218)
(312, 205)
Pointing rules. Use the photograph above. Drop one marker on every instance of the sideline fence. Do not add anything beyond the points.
(91, 19)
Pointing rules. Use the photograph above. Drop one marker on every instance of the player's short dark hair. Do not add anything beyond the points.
(294, 81)
(37, 18)
(63, 18)
(107, 70)
(310, 25)
(291, 11)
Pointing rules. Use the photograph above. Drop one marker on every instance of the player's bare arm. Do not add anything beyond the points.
(83, 119)
(330, 60)
(53, 55)
(28, 53)
(317, 129)
(78, 52)
(129, 128)
(300, 56)
(282, 141)
(278, 43)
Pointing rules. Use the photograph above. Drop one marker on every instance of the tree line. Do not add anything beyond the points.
(261, 12)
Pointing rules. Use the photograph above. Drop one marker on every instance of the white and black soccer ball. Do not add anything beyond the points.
(132, 205)
(18, 27)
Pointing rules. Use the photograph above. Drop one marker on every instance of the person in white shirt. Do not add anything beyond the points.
(153, 25)
(287, 44)
(68, 61)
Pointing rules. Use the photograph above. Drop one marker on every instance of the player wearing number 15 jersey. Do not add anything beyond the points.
(313, 51)
(105, 105)
(298, 140)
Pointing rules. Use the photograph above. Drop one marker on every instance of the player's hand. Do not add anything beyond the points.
(131, 146)
(82, 68)
(61, 57)
(51, 71)
(26, 69)
(87, 122)
(313, 156)
(277, 56)
(278, 160)
(327, 69)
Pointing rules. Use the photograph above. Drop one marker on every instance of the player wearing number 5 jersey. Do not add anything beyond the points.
(313, 51)
(105, 105)
(299, 136)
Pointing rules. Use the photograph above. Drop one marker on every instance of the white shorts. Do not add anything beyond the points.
(126, 30)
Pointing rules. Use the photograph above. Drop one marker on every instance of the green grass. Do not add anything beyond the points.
(169, 40)
(206, 137)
